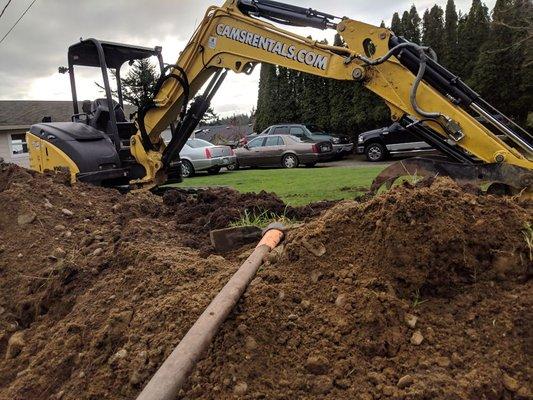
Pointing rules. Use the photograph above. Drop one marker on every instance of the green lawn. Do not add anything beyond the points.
(296, 186)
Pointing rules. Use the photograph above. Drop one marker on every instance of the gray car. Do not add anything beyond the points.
(200, 155)
(282, 150)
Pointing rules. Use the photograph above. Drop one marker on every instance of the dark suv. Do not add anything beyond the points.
(382, 143)
(312, 133)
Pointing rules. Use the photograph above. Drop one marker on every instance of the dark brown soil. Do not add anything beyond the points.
(96, 288)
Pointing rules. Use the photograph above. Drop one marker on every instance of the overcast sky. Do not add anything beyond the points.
(30, 55)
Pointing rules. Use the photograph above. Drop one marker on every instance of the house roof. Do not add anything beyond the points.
(28, 112)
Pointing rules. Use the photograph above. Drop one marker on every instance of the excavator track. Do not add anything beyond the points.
(496, 178)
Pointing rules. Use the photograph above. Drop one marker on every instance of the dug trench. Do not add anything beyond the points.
(420, 293)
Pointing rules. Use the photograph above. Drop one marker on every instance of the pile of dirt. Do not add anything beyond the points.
(86, 273)
(200, 210)
(421, 293)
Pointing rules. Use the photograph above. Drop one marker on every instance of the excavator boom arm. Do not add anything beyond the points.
(231, 37)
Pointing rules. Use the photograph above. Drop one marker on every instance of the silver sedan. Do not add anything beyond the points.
(200, 155)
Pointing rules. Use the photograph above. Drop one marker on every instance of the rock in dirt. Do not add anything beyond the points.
(67, 212)
(26, 218)
(510, 383)
(417, 338)
(15, 344)
(240, 388)
(405, 381)
(410, 320)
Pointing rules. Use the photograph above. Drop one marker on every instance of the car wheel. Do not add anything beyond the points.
(289, 161)
(232, 167)
(213, 171)
(310, 165)
(375, 152)
(187, 170)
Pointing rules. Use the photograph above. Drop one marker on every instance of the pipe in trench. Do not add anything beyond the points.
(170, 377)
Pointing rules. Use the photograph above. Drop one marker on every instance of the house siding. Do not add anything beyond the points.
(6, 151)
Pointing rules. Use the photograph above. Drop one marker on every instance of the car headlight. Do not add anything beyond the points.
(360, 139)
(336, 140)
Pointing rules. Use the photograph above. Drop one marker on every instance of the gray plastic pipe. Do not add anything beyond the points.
(170, 377)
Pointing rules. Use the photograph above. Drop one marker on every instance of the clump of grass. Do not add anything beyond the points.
(528, 236)
(261, 220)
(417, 300)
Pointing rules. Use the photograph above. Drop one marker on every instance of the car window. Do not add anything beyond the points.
(273, 141)
(294, 139)
(198, 143)
(280, 130)
(258, 142)
(296, 131)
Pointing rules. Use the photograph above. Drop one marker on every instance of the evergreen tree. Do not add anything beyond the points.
(473, 32)
(139, 83)
(411, 25)
(502, 75)
(433, 30)
(396, 25)
(267, 97)
(451, 49)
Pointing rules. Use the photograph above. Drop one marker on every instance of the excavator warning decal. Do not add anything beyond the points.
(273, 46)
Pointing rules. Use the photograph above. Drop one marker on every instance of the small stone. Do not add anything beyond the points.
(292, 317)
(97, 251)
(417, 338)
(59, 395)
(443, 362)
(410, 320)
(250, 344)
(375, 378)
(316, 275)
(26, 218)
(317, 365)
(317, 249)
(68, 234)
(15, 344)
(281, 295)
(240, 388)
(67, 212)
(47, 204)
(404, 381)
(340, 301)
(59, 227)
(119, 355)
(81, 375)
(305, 304)
(20, 255)
(116, 207)
(510, 383)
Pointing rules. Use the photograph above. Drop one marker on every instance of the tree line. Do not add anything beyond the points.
(491, 52)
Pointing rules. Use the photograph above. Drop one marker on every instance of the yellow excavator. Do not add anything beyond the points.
(100, 145)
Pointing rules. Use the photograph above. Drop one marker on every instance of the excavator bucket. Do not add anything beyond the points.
(497, 178)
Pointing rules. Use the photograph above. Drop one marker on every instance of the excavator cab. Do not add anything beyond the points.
(101, 124)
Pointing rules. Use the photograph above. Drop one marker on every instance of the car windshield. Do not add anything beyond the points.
(197, 143)
(315, 130)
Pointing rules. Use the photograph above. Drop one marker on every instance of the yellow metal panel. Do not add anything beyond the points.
(45, 156)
